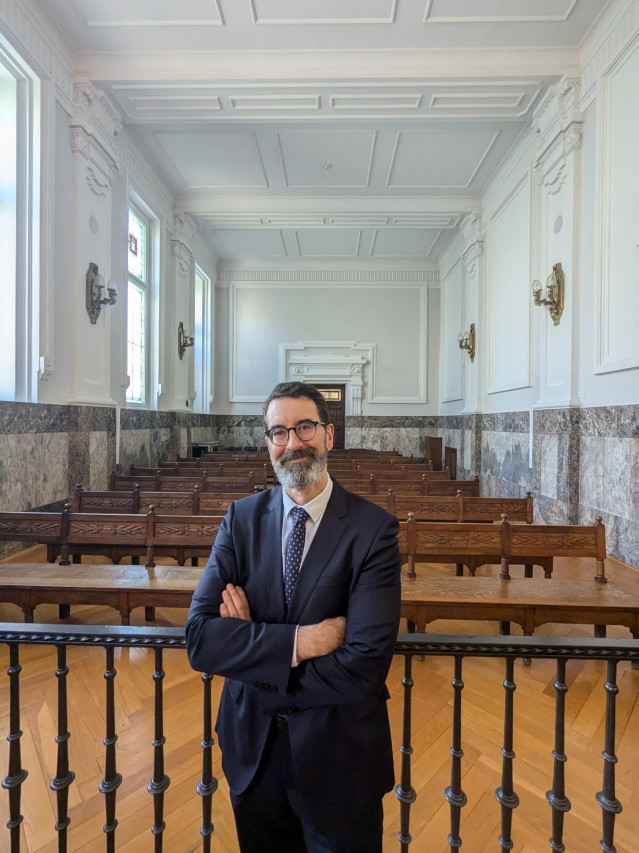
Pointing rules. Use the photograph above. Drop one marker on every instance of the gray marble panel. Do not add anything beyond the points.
(549, 465)
(134, 449)
(101, 465)
(160, 444)
(79, 461)
(634, 480)
(50, 474)
(549, 511)
(591, 471)
(17, 464)
(616, 476)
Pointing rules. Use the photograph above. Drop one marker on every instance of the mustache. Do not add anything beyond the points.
(300, 453)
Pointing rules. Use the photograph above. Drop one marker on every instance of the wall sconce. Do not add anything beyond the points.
(555, 284)
(95, 289)
(466, 340)
(185, 339)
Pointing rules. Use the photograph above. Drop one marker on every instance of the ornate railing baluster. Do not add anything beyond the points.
(17, 774)
(160, 782)
(207, 785)
(505, 794)
(454, 794)
(63, 777)
(405, 792)
(606, 798)
(111, 782)
(556, 798)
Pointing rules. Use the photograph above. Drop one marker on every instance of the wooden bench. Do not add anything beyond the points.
(474, 545)
(116, 535)
(461, 508)
(184, 483)
(164, 503)
(43, 528)
(424, 486)
(529, 603)
(120, 587)
(458, 509)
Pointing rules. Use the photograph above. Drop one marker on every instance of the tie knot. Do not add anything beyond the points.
(299, 514)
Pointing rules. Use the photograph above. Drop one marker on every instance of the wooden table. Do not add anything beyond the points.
(120, 586)
(529, 602)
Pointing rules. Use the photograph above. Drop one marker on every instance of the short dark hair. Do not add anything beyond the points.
(299, 389)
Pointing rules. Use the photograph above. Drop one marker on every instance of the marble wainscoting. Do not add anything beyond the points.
(240, 432)
(556, 463)
(404, 434)
(464, 433)
(46, 450)
(505, 442)
(608, 476)
(146, 437)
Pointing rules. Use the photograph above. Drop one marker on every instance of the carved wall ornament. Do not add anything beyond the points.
(554, 180)
(97, 183)
(183, 257)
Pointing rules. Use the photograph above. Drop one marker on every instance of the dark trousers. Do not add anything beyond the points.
(271, 816)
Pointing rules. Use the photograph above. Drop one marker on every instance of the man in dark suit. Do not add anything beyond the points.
(302, 723)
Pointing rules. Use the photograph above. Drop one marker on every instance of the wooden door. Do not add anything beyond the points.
(335, 396)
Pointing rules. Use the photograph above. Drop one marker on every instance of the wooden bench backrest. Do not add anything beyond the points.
(41, 527)
(434, 542)
(107, 501)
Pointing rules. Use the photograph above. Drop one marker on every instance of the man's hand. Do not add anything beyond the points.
(313, 641)
(235, 603)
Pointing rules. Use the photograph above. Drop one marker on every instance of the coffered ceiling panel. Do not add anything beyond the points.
(211, 160)
(354, 130)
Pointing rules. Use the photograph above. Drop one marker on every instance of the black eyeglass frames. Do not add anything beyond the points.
(304, 430)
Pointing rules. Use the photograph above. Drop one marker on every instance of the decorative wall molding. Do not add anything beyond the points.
(328, 276)
(183, 256)
(472, 258)
(339, 362)
(623, 30)
(509, 178)
(96, 118)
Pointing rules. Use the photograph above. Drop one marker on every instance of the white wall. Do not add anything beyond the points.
(331, 312)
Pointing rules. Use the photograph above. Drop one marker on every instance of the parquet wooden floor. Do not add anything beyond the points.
(482, 734)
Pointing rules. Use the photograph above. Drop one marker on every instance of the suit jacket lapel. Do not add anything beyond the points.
(270, 557)
(331, 529)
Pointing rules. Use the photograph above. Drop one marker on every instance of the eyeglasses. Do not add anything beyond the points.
(304, 430)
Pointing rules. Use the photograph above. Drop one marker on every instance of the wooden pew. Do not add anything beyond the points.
(408, 487)
(164, 503)
(105, 501)
(184, 484)
(474, 545)
(43, 528)
(118, 535)
(460, 508)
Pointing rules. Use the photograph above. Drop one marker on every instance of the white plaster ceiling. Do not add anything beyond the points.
(311, 130)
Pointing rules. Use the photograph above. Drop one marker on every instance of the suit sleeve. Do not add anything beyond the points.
(255, 652)
(357, 670)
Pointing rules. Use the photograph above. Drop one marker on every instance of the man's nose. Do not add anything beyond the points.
(294, 441)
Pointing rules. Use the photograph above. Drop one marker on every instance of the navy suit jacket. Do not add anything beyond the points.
(338, 722)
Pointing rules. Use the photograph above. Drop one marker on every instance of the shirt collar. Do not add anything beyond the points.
(314, 508)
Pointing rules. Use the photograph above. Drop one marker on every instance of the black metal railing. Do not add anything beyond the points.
(408, 645)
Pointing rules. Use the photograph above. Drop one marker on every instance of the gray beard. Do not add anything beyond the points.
(302, 474)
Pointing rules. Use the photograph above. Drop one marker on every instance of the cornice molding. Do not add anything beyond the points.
(298, 276)
(36, 45)
(610, 47)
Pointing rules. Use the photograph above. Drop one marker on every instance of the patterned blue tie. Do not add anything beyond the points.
(294, 551)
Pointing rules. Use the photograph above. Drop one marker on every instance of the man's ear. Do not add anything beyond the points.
(330, 435)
